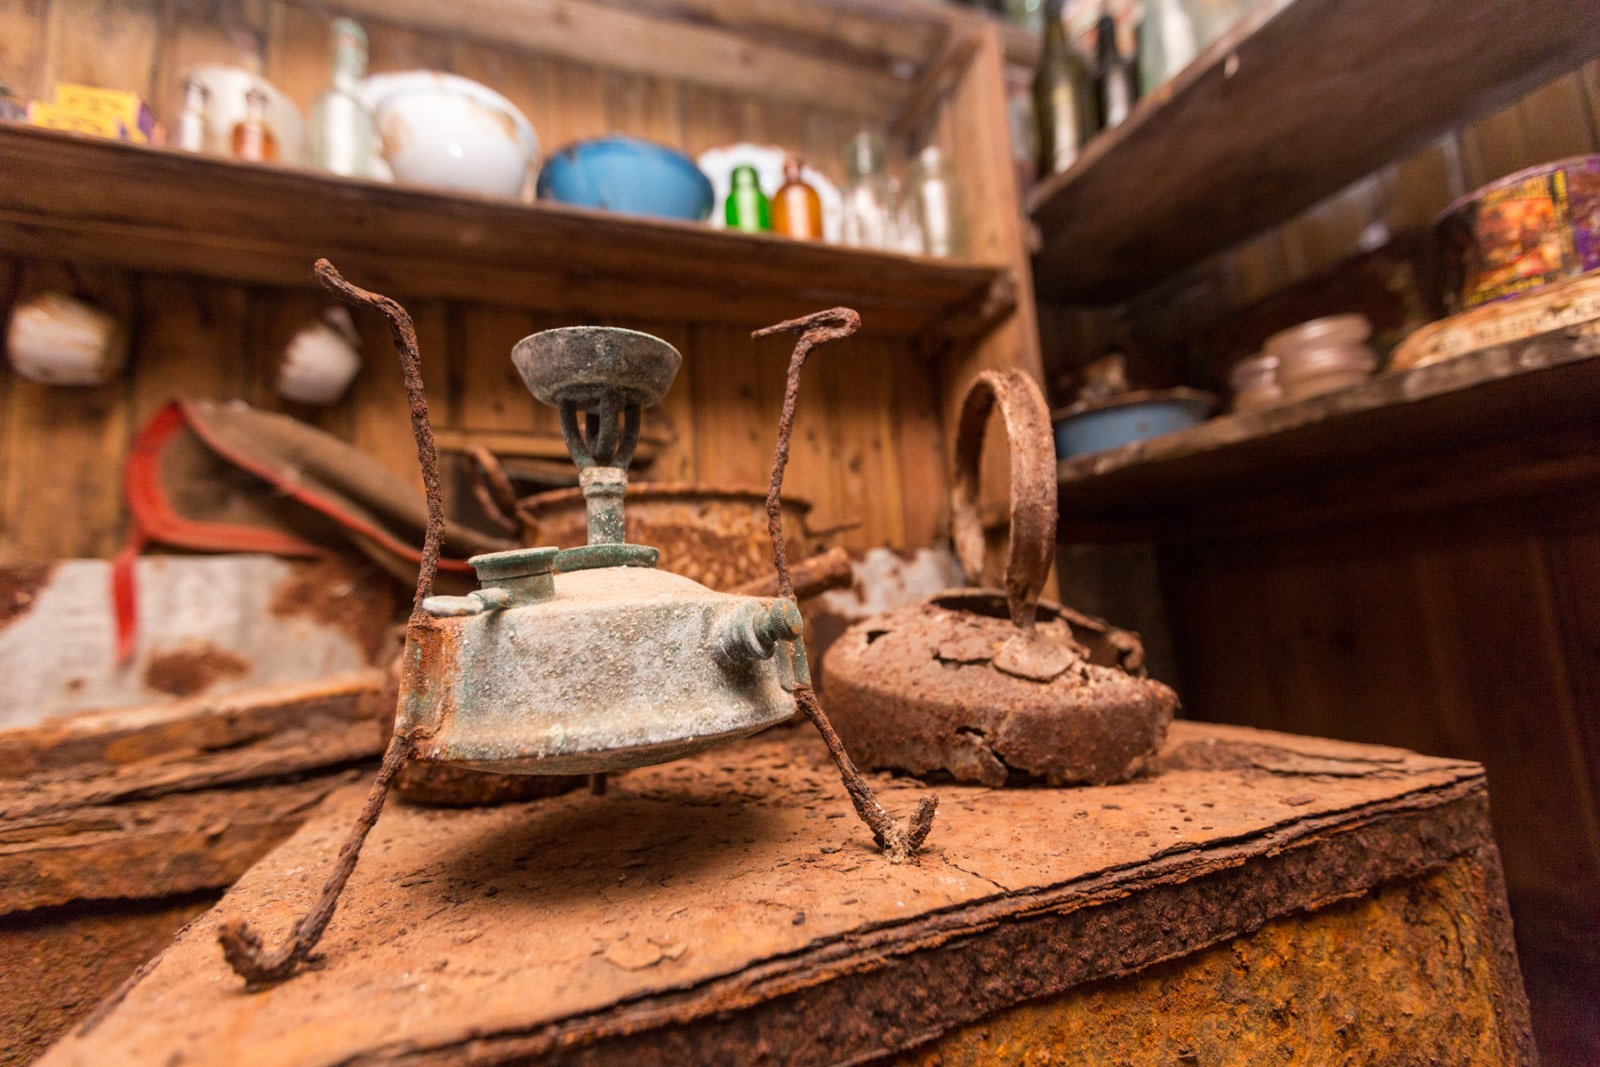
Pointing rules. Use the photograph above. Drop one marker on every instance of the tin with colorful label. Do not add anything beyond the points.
(1522, 233)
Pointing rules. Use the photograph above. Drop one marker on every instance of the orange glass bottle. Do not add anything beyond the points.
(796, 208)
(252, 137)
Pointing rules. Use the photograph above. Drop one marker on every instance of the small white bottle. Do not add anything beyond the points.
(192, 122)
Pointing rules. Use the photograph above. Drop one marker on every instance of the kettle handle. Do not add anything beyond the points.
(1032, 542)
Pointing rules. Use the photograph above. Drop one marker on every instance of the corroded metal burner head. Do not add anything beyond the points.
(585, 365)
(607, 374)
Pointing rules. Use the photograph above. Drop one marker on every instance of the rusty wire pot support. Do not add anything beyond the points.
(600, 447)
(900, 843)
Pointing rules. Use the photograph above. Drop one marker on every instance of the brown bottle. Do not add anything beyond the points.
(796, 208)
(252, 139)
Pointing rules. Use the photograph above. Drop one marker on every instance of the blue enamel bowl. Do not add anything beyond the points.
(1122, 420)
(628, 175)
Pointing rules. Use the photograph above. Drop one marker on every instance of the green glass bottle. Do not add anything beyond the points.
(1063, 97)
(748, 208)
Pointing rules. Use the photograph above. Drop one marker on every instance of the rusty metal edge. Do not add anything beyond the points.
(884, 991)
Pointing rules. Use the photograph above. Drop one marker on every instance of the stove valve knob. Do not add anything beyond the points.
(753, 629)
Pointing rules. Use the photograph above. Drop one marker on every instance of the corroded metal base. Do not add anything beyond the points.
(619, 668)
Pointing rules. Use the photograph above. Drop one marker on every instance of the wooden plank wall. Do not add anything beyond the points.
(868, 444)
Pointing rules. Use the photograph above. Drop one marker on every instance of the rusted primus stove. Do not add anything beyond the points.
(585, 660)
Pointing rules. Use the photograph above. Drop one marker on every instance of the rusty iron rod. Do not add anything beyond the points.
(241, 945)
(811, 577)
(899, 844)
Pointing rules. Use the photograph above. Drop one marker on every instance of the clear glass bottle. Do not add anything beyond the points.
(344, 137)
(1168, 44)
(796, 207)
(747, 208)
(192, 121)
(252, 137)
(1063, 97)
(905, 234)
(936, 199)
(868, 219)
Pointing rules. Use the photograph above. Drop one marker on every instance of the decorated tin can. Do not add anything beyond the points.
(1523, 232)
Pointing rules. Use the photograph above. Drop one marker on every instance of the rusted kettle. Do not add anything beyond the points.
(985, 685)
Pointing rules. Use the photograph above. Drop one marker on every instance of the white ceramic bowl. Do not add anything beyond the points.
(451, 133)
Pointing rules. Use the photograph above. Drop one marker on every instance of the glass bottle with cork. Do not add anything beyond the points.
(343, 136)
(796, 207)
(253, 139)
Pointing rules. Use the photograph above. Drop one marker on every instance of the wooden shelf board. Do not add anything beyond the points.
(99, 202)
(1443, 409)
(1300, 99)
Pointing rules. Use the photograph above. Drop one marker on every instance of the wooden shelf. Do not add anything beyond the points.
(1298, 101)
(1355, 442)
(98, 202)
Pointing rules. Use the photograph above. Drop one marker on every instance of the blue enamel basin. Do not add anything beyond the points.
(627, 175)
(1123, 420)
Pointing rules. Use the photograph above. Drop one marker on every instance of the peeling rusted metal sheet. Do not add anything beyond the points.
(723, 909)
(207, 625)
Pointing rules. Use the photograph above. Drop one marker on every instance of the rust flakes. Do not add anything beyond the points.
(193, 669)
(352, 598)
(20, 583)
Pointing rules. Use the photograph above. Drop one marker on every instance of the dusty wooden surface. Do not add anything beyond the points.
(728, 908)
(1300, 99)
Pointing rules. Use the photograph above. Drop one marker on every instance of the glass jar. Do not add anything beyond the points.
(936, 201)
(868, 217)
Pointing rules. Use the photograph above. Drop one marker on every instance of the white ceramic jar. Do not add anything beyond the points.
(449, 132)
(56, 339)
(321, 360)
